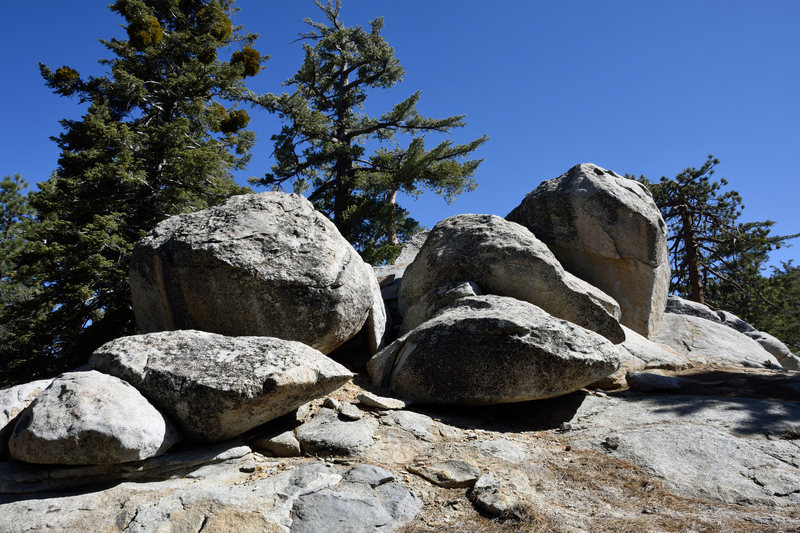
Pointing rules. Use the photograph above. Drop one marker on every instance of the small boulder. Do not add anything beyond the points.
(492, 349)
(215, 387)
(504, 494)
(506, 259)
(13, 401)
(380, 402)
(87, 418)
(451, 474)
(326, 434)
(608, 231)
(259, 264)
(281, 445)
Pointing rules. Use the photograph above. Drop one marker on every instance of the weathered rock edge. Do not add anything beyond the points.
(492, 349)
(506, 259)
(608, 231)
(259, 264)
(215, 387)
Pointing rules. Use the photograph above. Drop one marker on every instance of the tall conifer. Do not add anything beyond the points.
(159, 138)
(708, 246)
(322, 148)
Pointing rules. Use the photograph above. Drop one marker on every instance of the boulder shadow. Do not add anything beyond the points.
(534, 415)
(753, 404)
(21, 481)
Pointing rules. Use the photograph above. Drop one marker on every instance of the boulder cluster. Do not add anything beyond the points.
(251, 310)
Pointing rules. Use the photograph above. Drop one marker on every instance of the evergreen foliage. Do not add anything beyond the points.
(708, 246)
(322, 148)
(15, 216)
(157, 140)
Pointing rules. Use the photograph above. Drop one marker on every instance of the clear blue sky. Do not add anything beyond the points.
(638, 87)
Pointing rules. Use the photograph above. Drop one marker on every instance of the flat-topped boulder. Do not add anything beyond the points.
(608, 231)
(506, 259)
(491, 349)
(259, 264)
(215, 387)
(86, 418)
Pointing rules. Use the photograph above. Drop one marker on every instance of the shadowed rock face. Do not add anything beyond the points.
(492, 349)
(215, 387)
(506, 259)
(264, 264)
(608, 231)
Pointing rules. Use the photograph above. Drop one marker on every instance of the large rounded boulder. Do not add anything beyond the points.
(491, 349)
(86, 418)
(608, 231)
(506, 259)
(259, 264)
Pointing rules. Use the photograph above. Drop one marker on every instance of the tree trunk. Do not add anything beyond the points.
(392, 233)
(696, 293)
(344, 164)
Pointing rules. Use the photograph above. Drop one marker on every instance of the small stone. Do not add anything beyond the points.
(381, 402)
(612, 443)
(325, 434)
(332, 403)
(348, 411)
(451, 474)
(373, 476)
(282, 445)
(501, 493)
(565, 426)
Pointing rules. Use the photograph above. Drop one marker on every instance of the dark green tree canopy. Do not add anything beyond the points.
(708, 245)
(322, 149)
(159, 138)
(15, 214)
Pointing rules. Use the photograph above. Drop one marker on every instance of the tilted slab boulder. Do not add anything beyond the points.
(87, 418)
(506, 259)
(608, 231)
(259, 264)
(704, 341)
(492, 349)
(679, 306)
(215, 387)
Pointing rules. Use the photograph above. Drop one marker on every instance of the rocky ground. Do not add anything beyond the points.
(718, 451)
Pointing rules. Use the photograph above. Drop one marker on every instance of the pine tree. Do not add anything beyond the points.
(15, 215)
(159, 138)
(322, 148)
(708, 246)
